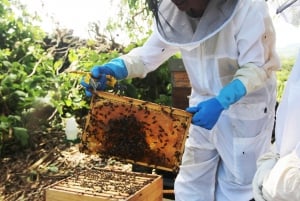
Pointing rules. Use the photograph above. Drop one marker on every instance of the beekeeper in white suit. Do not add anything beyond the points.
(227, 47)
(278, 174)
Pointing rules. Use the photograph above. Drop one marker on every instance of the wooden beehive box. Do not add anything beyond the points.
(140, 132)
(181, 87)
(108, 185)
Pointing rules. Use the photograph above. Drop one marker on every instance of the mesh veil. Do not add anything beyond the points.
(176, 27)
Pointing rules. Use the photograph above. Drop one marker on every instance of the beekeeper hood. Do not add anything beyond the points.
(288, 9)
(176, 27)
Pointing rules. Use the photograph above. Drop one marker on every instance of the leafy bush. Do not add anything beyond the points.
(283, 75)
(37, 90)
(19, 51)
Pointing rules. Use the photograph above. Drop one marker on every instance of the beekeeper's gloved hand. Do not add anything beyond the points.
(207, 113)
(116, 68)
(264, 167)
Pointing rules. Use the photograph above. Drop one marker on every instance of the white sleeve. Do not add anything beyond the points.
(283, 181)
(288, 113)
(257, 46)
(142, 60)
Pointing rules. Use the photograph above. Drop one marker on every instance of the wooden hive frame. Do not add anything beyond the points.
(136, 131)
(108, 185)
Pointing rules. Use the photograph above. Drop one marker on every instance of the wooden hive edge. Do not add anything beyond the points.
(150, 105)
(150, 192)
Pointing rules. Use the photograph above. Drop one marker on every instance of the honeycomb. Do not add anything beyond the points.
(136, 131)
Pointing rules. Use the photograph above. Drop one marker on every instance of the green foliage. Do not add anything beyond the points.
(9, 131)
(30, 72)
(133, 21)
(18, 55)
(155, 87)
(21, 135)
(34, 81)
(283, 75)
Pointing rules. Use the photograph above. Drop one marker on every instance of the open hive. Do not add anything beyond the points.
(103, 184)
(137, 131)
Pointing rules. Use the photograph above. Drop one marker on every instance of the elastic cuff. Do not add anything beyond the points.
(231, 93)
(118, 66)
(252, 76)
(134, 65)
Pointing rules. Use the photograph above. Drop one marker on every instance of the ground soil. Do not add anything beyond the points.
(25, 173)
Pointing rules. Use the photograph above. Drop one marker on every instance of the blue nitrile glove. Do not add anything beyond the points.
(116, 68)
(207, 113)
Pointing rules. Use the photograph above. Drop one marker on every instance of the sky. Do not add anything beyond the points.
(77, 14)
(72, 14)
(288, 40)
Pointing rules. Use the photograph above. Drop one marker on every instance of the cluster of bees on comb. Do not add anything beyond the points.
(137, 131)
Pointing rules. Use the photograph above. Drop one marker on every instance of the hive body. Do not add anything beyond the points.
(108, 185)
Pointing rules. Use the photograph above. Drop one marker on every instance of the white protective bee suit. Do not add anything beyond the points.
(233, 39)
(278, 174)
